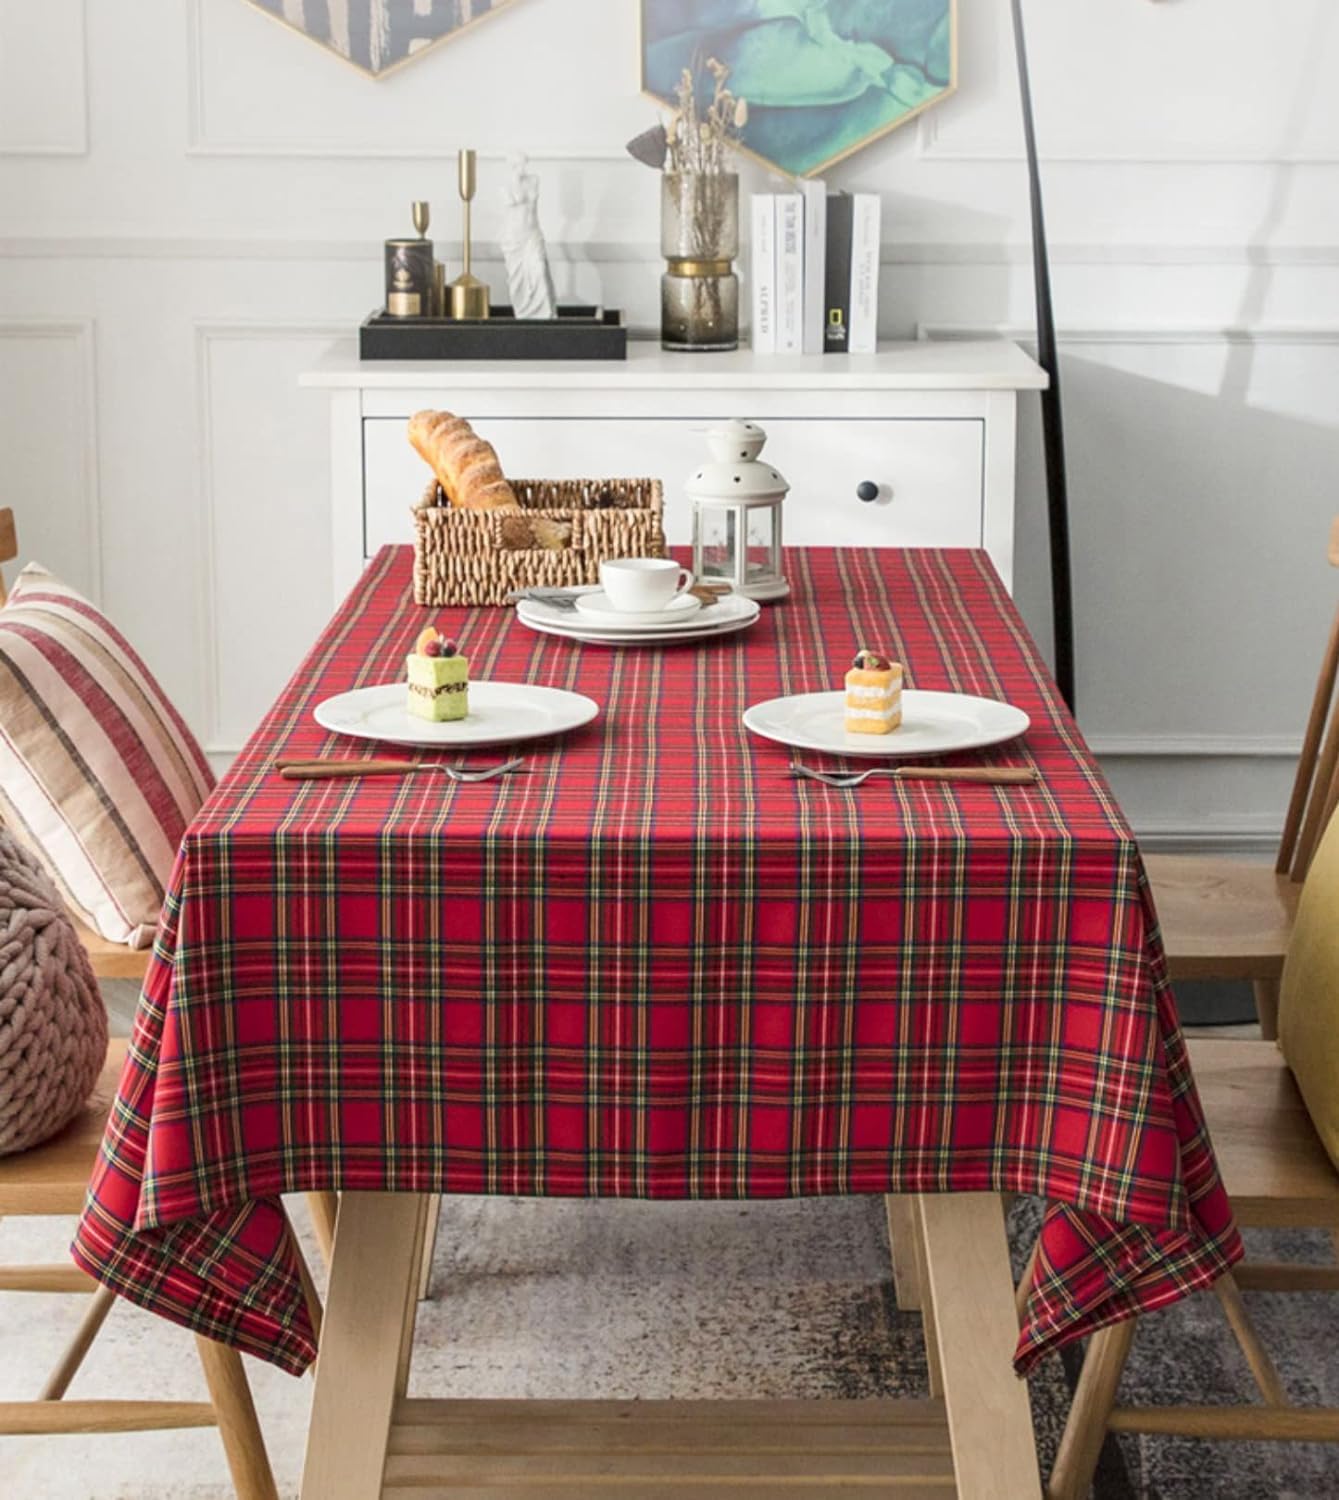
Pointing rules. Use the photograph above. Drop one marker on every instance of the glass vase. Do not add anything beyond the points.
(699, 238)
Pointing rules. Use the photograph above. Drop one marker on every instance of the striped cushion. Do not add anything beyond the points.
(99, 775)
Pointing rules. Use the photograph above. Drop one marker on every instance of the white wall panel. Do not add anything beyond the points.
(49, 442)
(43, 83)
(266, 479)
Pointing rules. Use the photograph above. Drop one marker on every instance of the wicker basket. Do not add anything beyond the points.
(562, 532)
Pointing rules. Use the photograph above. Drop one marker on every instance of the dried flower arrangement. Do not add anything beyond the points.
(695, 141)
(699, 231)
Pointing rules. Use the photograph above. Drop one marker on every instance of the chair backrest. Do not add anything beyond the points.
(1315, 791)
(1309, 992)
(9, 546)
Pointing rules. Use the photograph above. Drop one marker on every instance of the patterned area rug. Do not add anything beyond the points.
(607, 1299)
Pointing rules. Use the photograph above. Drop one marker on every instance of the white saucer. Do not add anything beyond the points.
(602, 607)
(732, 613)
(932, 724)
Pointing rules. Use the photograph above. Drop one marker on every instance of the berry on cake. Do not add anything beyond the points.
(439, 678)
(873, 694)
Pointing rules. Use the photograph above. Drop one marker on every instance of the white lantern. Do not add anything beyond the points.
(737, 514)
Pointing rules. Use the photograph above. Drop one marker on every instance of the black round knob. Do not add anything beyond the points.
(867, 490)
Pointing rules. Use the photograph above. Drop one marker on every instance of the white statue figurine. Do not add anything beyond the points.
(527, 261)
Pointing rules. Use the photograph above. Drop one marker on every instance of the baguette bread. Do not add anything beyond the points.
(466, 466)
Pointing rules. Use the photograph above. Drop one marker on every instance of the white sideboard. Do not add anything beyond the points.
(929, 429)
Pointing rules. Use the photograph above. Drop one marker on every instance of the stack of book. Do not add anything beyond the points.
(815, 271)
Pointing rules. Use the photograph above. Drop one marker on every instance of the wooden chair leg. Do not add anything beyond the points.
(1267, 1007)
(243, 1443)
(58, 1382)
(903, 1240)
(1086, 1429)
(324, 1209)
(1243, 1330)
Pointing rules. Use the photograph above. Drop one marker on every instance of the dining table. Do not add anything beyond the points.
(653, 964)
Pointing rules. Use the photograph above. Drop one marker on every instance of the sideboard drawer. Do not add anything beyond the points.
(925, 477)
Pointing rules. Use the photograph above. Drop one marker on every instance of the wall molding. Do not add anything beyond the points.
(207, 333)
(1141, 334)
(82, 332)
(80, 146)
(637, 252)
(1198, 746)
(1212, 836)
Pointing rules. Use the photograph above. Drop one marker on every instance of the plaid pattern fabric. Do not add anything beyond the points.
(655, 966)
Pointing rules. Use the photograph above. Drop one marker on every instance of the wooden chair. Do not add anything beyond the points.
(116, 961)
(52, 1179)
(1278, 1176)
(1230, 918)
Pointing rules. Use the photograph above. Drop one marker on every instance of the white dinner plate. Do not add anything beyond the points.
(932, 724)
(600, 608)
(501, 713)
(725, 618)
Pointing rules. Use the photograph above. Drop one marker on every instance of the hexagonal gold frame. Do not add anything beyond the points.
(950, 88)
(497, 7)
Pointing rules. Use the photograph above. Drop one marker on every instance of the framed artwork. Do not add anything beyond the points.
(379, 36)
(822, 77)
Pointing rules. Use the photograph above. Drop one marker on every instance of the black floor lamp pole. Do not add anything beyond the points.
(1052, 424)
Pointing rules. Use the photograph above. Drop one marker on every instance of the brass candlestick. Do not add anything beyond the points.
(422, 213)
(469, 295)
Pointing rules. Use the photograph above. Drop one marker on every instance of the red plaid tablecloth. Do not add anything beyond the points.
(657, 967)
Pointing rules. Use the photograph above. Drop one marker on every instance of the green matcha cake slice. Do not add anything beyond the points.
(439, 687)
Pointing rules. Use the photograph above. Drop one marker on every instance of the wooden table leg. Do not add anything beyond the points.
(930, 1332)
(972, 1294)
(434, 1213)
(369, 1320)
(324, 1210)
(903, 1241)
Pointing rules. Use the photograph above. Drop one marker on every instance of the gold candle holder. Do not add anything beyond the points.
(469, 295)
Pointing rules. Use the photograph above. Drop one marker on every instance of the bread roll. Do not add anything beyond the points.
(466, 466)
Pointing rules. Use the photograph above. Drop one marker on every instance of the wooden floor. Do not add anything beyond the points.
(668, 1450)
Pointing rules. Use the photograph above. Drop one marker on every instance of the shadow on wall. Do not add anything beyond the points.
(1199, 523)
(1255, 298)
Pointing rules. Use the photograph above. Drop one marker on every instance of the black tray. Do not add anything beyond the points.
(576, 333)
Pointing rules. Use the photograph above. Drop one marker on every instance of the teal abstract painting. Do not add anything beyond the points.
(822, 77)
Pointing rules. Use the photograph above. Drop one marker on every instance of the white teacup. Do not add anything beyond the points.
(642, 585)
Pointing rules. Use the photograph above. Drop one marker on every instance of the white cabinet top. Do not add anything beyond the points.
(941, 365)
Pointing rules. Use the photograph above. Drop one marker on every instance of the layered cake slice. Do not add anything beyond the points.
(873, 694)
(439, 679)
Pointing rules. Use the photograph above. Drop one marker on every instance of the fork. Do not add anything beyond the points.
(336, 770)
(982, 775)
